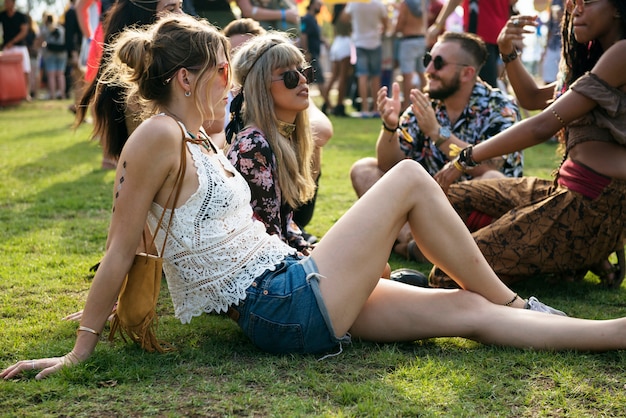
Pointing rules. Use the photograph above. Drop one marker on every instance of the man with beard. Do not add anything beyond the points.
(457, 109)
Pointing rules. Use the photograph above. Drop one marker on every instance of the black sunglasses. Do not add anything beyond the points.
(438, 62)
(291, 78)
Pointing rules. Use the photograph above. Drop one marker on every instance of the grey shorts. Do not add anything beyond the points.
(411, 53)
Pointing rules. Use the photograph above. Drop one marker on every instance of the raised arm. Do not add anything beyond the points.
(388, 150)
(82, 14)
(440, 23)
(568, 107)
(529, 95)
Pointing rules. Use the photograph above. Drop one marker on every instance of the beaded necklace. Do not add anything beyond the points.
(203, 140)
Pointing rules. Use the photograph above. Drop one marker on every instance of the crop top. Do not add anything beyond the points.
(214, 248)
(607, 121)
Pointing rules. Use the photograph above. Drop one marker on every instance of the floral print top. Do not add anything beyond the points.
(253, 157)
(488, 112)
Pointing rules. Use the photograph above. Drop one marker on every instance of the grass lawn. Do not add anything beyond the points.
(54, 210)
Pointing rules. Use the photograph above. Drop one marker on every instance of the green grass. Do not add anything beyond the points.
(54, 210)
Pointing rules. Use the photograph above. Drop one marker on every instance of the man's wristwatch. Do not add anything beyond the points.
(443, 136)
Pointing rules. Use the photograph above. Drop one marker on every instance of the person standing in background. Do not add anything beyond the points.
(73, 42)
(54, 56)
(552, 54)
(412, 45)
(33, 44)
(341, 51)
(369, 23)
(311, 43)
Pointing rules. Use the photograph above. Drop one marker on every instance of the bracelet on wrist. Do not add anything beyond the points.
(458, 166)
(388, 129)
(283, 15)
(464, 160)
(87, 329)
(506, 58)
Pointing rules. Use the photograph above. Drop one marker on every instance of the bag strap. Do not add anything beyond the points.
(175, 192)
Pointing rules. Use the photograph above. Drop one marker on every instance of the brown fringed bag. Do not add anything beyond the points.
(135, 316)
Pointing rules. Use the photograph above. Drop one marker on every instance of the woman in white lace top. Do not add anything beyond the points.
(218, 258)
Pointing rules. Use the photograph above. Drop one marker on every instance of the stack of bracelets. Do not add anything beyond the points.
(464, 160)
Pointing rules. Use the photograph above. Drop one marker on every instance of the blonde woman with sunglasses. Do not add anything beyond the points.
(274, 149)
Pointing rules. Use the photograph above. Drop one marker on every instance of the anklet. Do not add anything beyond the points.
(509, 303)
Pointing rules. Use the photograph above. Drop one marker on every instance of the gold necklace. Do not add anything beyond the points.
(286, 129)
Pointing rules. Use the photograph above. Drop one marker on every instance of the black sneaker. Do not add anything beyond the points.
(340, 111)
(410, 276)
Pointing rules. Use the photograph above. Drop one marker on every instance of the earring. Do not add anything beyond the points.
(187, 94)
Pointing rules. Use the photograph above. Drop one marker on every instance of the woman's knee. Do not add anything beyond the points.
(414, 175)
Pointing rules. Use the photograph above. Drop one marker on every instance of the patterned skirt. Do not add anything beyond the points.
(538, 228)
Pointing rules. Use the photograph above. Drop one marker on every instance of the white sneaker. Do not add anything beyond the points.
(534, 305)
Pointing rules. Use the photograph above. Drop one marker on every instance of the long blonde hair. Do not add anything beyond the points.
(253, 65)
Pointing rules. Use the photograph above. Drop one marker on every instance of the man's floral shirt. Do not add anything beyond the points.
(488, 112)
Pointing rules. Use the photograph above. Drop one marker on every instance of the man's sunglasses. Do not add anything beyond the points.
(291, 78)
(438, 62)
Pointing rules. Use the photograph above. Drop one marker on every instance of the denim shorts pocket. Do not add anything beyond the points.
(275, 337)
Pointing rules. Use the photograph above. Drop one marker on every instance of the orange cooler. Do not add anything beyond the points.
(12, 80)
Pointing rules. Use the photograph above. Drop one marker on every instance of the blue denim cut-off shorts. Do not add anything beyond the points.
(284, 312)
(369, 62)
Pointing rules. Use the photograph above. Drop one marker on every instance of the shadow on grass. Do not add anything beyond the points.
(86, 199)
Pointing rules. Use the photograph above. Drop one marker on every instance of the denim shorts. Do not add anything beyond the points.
(54, 61)
(369, 61)
(283, 311)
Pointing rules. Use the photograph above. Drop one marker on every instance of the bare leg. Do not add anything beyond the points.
(52, 84)
(405, 236)
(397, 312)
(374, 87)
(363, 94)
(363, 174)
(333, 78)
(61, 83)
(366, 234)
(344, 74)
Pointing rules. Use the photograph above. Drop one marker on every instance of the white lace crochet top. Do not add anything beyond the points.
(215, 248)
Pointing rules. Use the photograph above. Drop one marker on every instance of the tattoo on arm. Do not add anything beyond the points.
(119, 186)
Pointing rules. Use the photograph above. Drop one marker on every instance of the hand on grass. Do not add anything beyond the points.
(46, 365)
